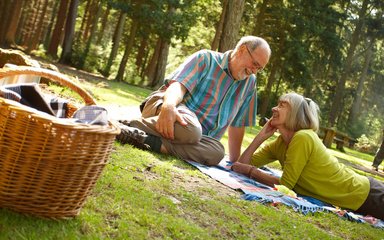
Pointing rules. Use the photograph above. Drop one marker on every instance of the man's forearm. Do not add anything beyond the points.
(235, 139)
(174, 94)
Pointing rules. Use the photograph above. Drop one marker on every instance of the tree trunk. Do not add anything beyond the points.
(91, 36)
(104, 22)
(13, 23)
(161, 64)
(143, 66)
(20, 27)
(5, 22)
(48, 33)
(276, 65)
(90, 19)
(151, 68)
(267, 91)
(84, 20)
(69, 33)
(260, 18)
(353, 113)
(35, 16)
(340, 87)
(141, 53)
(38, 29)
(219, 28)
(231, 27)
(128, 47)
(2, 23)
(59, 28)
(115, 42)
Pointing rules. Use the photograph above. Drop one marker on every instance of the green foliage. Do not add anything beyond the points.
(309, 41)
(366, 145)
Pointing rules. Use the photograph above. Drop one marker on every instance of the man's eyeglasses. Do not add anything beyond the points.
(256, 65)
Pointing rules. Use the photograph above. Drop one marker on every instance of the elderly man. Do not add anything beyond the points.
(206, 95)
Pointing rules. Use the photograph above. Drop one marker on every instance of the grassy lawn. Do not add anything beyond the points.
(143, 195)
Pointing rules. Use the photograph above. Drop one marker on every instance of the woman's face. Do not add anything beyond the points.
(280, 114)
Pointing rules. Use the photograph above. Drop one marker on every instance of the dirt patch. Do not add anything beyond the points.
(199, 185)
(360, 167)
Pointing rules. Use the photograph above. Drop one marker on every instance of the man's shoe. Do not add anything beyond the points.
(125, 122)
(375, 168)
(132, 136)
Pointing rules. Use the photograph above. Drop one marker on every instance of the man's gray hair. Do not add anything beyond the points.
(253, 42)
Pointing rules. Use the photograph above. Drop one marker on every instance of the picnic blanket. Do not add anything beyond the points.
(256, 191)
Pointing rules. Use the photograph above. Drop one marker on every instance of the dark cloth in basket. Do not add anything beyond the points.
(30, 96)
(9, 94)
(59, 107)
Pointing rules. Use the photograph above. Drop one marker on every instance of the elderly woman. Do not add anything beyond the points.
(308, 168)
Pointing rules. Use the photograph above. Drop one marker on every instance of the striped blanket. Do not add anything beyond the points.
(256, 191)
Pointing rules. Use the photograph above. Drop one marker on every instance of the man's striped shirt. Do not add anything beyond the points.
(213, 94)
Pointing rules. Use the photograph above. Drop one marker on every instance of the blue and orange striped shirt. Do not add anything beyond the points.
(212, 93)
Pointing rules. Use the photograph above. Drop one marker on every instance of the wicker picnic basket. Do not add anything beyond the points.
(48, 165)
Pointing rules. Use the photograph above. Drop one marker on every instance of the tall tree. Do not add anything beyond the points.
(115, 42)
(92, 34)
(260, 18)
(231, 27)
(171, 23)
(48, 32)
(340, 87)
(31, 22)
(69, 33)
(13, 23)
(59, 28)
(6, 18)
(220, 26)
(35, 38)
(355, 109)
(127, 51)
(104, 23)
(87, 19)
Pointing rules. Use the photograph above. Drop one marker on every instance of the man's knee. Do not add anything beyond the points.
(214, 159)
(211, 155)
(189, 134)
(207, 152)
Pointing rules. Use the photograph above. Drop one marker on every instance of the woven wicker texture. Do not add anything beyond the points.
(48, 166)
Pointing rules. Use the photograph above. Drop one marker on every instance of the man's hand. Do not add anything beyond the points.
(169, 115)
(166, 121)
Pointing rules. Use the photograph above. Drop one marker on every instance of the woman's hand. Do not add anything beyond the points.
(241, 168)
(267, 131)
(252, 172)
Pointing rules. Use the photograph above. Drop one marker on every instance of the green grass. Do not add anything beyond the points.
(144, 195)
(106, 92)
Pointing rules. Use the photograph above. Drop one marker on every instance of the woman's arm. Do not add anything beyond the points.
(267, 131)
(252, 172)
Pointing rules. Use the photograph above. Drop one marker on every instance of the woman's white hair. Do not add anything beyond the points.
(303, 114)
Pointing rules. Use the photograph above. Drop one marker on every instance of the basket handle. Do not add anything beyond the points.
(55, 76)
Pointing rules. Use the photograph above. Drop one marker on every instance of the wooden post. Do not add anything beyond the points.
(328, 137)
